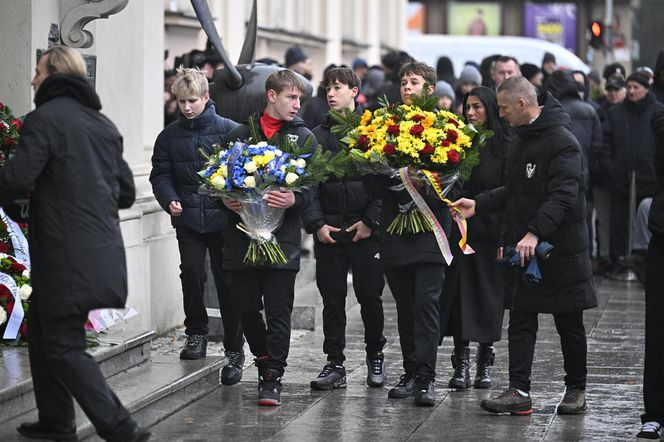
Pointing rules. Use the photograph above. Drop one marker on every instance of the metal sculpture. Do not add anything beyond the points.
(238, 91)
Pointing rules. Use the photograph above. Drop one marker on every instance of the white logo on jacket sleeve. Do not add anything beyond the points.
(293, 137)
(530, 170)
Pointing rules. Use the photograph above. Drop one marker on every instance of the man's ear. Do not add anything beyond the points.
(431, 89)
(522, 103)
(271, 96)
(355, 91)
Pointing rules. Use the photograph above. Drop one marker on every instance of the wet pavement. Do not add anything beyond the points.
(615, 359)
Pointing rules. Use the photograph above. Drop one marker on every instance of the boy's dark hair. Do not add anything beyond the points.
(280, 80)
(343, 75)
(421, 69)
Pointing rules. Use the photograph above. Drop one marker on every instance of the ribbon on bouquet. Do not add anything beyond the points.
(438, 231)
(19, 242)
(459, 218)
(16, 318)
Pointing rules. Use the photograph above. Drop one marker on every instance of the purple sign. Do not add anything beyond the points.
(554, 22)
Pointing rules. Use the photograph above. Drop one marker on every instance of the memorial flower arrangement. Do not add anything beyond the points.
(246, 172)
(15, 286)
(10, 128)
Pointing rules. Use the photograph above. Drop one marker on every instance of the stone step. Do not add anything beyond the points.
(151, 391)
(121, 348)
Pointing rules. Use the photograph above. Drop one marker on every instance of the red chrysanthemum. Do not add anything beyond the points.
(389, 149)
(417, 118)
(428, 149)
(453, 157)
(393, 129)
(452, 135)
(417, 130)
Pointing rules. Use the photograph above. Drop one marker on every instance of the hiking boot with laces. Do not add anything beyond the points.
(405, 388)
(650, 431)
(574, 401)
(194, 348)
(269, 388)
(231, 373)
(460, 379)
(376, 376)
(332, 376)
(484, 360)
(509, 401)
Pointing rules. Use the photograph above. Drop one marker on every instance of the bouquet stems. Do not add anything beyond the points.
(410, 222)
(264, 252)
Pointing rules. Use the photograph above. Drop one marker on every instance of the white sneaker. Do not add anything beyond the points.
(650, 431)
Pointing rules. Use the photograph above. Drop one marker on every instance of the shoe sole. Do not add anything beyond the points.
(50, 436)
(376, 384)
(191, 358)
(231, 381)
(425, 402)
(269, 402)
(482, 385)
(571, 412)
(392, 395)
(328, 387)
(458, 386)
(527, 412)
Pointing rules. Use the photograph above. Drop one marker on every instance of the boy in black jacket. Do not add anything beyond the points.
(198, 220)
(270, 286)
(344, 218)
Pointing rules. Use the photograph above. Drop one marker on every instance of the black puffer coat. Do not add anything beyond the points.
(340, 202)
(70, 159)
(289, 235)
(175, 162)
(656, 216)
(629, 145)
(545, 195)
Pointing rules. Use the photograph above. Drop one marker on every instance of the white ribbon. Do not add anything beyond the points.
(20, 243)
(16, 318)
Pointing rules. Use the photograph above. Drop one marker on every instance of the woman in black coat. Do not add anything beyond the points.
(472, 299)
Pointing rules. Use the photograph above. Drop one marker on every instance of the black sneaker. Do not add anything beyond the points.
(405, 388)
(231, 373)
(509, 401)
(194, 348)
(574, 402)
(376, 376)
(269, 388)
(37, 430)
(650, 431)
(332, 376)
(425, 395)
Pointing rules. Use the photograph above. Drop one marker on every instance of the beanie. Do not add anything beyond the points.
(614, 69)
(640, 77)
(294, 55)
(470, 74)
(443, 88)
(529, 70)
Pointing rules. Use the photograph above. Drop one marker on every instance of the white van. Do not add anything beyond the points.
(462, 48)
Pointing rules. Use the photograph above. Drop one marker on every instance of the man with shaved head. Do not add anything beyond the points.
(544, 201)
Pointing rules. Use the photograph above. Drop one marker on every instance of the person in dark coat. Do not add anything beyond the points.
(653, 366)
(658, 79)
(628, 146)
(314, 112)
(197, 219)
(544, 200)
(586, 127)
(270, 287)
(70, 160)
(471, 305)
(390, 89)
(344, 219)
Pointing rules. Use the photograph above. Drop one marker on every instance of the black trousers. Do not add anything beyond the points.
(332, 264)
(653, 370)
(193, 246)
(273, 290)
(416, 289)
(62, 371)
(522, 334)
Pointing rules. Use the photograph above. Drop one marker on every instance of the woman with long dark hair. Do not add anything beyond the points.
(472, 300)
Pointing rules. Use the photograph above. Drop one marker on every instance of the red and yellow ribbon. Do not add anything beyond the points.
(460, 220)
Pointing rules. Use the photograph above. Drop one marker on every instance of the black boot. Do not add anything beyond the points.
(461, 363)
(484, 359)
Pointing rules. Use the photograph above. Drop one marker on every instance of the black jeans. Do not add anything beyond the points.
(193, 246)
(275, 290)
(62, 370)
(332, 264)
(522, 334)
(653, 369)
(416, 289)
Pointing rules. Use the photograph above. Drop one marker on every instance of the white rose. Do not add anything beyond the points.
(26, 273)
(24, 292)
(3, 255)
(293, 162)
(261, 144)
(250, 167)
(291, 177)
(250, 182)
(283, 168)
(3, 316)
(278, 153)
(218, 182)
(301, 163)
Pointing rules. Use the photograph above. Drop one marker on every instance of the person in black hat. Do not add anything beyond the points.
(548, 66)
(298, 61)
(614, 70)
(533, 74)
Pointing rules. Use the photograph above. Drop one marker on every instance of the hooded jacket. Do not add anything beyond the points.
(70, 159)
(176, 159)
(545, 195)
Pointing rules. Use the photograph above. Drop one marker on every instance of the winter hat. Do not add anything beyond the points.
(615, 83)
(614, 69)
(360, 63)
(549, 58)
(294, 55)
(443, 88)
(470, 74)
(529, 70)
(640, 77)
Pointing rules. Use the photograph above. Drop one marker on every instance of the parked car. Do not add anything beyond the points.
(462, 48)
